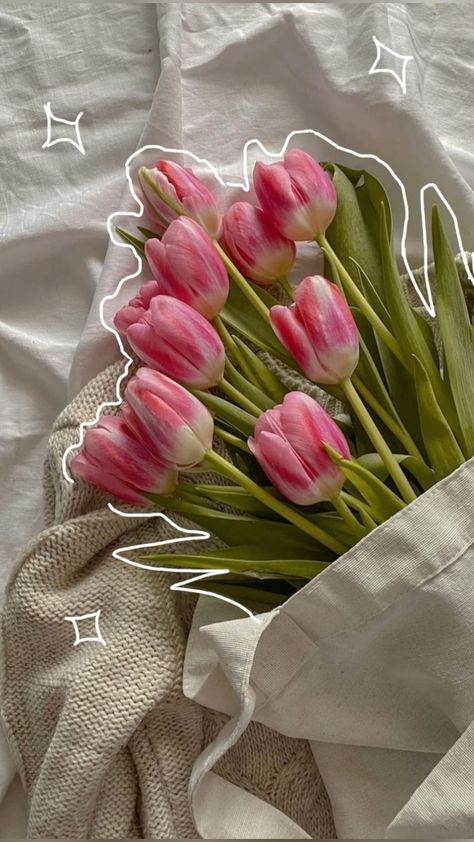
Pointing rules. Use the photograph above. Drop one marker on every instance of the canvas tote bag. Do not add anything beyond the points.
(373, 663)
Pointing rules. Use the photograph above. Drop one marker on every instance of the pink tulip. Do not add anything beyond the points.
(179, 342)
(186, 266)
(319, 331)
(184, 192)
(258, 250)
(296, 194)
(288, 445)
(136, 307)
(168, 419)
(115, 460)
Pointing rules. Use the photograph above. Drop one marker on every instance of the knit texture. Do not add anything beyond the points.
(103, 738)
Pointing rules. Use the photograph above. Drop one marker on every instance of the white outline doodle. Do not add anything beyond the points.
(95, 615)
(191, 535)
(402, 81)
(51, 117)
(245, 185)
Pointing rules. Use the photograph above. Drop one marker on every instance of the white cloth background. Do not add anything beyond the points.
(226, 73)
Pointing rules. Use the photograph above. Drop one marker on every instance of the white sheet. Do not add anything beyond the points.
(229, 72)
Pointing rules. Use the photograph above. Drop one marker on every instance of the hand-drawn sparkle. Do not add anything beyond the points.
(53, 120)
(95, 638)
(400, 77)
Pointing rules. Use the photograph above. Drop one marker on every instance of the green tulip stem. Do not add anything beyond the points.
(393, 425)
(357, 529)
(245, 287)
(286, 286)
(229, 438)
(377, 440)
(359, 299)
(231, 346)
(239, 398)
(289, 514)
(363, 508)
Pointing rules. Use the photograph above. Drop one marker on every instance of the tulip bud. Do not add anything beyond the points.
(176, 190)
(296, 194)
(115, 460)
(255, 246)
(319, 331)
(179, 342)
(288, 445)
(136, 307)
(168, 419)
(186, 266)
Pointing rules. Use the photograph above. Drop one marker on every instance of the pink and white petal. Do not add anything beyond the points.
(292, 335)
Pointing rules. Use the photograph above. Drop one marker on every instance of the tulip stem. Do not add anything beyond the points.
(273, 503)
(359, 299)
(229, 438)
(239, 398)
(377, 440)
(286, 286)
(357, 529)
(364, 510)
(393, 425)
(231, 346)
(243, 284)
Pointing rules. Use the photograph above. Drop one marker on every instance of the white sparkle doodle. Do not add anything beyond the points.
(96, 638)
(53, 120)
(382, 48)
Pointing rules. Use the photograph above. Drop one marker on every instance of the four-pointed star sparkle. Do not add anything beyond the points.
(52, 120)
(400, 77)
(96, 638)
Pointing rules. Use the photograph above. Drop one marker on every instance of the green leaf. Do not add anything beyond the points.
(334, 525)
(250, 560)
(253, 393)
(269, 382)
(148, 233)
(383, 502)
(416, 467)
(236, 497)
(243, 593)
(456, 333)
(354, 231)
(131, 240)
(227, 411)
(236, 530)
(372, 295)
(406, 328)
(240, 316)
(443, 450)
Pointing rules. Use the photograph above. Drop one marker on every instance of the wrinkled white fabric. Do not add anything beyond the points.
(227, 73)
(371, 662)
(101, 59)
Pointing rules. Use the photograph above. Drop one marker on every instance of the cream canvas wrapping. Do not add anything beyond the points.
(102, 736)
(372, 662)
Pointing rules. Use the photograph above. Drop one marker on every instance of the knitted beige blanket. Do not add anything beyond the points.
(102, 735)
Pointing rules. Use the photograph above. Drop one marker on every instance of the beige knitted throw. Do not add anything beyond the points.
(102, 735)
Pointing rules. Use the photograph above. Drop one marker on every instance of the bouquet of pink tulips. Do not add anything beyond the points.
(224, 337)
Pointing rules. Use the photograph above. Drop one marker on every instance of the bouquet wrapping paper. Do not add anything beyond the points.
(371, 662)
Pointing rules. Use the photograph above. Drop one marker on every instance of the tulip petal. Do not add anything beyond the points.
(283, 468)
(330, 327)
(292, 335)
(105, 481)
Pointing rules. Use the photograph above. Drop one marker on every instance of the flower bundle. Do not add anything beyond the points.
(222, 332)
